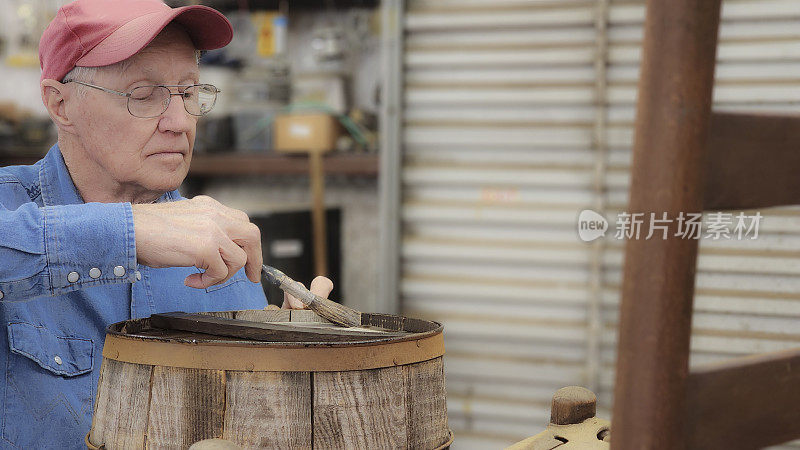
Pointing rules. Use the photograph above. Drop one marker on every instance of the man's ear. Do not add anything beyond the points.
(54, 96)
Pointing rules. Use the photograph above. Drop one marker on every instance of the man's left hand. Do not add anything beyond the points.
(320, 286)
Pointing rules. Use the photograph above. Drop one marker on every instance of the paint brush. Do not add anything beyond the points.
(335, 312)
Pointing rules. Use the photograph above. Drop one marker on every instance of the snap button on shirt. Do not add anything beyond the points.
(119, 271)
(57, 359)
(73, 277)
(94, 273)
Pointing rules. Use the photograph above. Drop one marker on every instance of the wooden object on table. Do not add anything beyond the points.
(318, 225)
(170, 388)
(572, 424)
(687, 159)
(572, 404)
(314, 134)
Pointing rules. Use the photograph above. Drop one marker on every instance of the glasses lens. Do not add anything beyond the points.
(148, 101)
(199, 99)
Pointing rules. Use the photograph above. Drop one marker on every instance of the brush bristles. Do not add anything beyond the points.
(335, 312)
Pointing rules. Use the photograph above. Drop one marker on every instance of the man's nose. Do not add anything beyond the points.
(175, 118)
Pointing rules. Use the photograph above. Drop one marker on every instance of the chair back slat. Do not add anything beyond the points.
(745, 403)
(753, 161)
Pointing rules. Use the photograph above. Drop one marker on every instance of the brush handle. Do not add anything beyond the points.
(335, 312)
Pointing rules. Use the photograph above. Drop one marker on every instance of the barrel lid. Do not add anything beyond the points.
(291, 328)
(139, 341)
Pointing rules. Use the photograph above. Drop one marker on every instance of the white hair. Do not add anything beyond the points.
(81, 73)
(87, 74)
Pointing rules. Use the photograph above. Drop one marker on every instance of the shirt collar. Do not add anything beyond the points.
(57, 185)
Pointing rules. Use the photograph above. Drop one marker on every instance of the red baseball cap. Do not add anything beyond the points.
(96, 33)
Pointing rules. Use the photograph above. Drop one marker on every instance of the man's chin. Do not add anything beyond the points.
(166, 182)
(165, 173)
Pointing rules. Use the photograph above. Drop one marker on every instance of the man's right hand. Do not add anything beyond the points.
(199, 232)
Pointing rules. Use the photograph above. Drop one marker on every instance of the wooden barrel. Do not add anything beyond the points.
(168, 389)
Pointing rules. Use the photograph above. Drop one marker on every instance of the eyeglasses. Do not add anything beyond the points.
(151, 101)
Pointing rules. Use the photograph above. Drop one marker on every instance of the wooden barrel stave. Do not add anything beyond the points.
(282, 422)
(427, 408)
(122, 404)
(186, 406)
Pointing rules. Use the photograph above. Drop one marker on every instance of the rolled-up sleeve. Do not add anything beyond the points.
(46, 251)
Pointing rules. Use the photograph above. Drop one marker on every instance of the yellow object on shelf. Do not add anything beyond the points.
(309, 132)
(23, 59)
(271, 28)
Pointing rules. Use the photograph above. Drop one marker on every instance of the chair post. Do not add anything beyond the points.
(672, 123)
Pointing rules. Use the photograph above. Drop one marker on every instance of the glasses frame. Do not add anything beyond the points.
(129, 95)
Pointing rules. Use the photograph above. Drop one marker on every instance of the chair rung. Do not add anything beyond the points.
(753, 161)
(745, 403)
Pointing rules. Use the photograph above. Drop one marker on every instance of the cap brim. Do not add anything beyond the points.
(207, 28)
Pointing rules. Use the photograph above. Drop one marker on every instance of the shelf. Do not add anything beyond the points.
(237, 164)
(317, 5)
(18, 160)
(204, 165)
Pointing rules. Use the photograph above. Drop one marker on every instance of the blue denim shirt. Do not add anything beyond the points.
(67, 270)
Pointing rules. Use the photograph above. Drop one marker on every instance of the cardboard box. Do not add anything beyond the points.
(310, 132)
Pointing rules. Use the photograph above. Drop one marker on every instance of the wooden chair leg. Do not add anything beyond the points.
(672, 123)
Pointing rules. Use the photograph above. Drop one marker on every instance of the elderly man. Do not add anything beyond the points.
(95, 232)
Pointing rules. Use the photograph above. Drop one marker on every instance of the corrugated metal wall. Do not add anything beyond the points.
(518, 114)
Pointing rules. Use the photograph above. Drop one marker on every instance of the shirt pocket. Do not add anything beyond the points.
(236, 278)
(48, 386)
(61, 355)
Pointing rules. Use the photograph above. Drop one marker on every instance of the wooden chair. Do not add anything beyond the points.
(689, 159)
